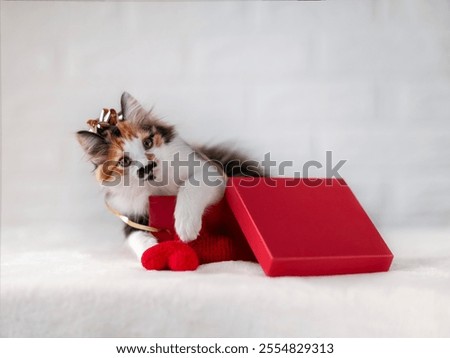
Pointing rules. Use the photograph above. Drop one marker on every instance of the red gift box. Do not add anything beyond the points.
(295, 227)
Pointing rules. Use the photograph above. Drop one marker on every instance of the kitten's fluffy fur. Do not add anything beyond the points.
(135, 159)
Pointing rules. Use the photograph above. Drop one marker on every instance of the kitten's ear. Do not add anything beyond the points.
(95, 146)
(131, 108)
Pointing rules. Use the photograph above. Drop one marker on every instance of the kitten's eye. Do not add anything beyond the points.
(124, 162)
(147, 143)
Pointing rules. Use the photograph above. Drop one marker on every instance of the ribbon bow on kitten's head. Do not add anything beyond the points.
(108, 117)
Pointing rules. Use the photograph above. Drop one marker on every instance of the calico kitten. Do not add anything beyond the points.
(141, 156)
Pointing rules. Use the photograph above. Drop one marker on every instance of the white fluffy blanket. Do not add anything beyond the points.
(81, 282)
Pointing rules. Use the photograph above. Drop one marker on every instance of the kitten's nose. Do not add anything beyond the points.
(146, 170)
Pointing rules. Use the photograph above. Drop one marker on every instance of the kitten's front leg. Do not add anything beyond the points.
(205, 187)
(140, 241)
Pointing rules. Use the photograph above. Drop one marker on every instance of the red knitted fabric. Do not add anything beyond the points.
(220, 239)
(170, 255)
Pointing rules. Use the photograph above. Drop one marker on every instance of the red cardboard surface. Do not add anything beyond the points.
(303, 227)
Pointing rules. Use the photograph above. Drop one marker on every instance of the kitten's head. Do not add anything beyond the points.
(127, 150)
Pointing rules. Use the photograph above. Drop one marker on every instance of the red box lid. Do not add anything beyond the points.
(304, 227)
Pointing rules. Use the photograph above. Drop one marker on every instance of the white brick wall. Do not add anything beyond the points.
(369, 80)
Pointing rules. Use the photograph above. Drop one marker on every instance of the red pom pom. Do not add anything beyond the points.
(156, 257)
(173, 255)
(183, 260)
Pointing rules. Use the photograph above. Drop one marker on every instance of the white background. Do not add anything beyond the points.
(369, 80)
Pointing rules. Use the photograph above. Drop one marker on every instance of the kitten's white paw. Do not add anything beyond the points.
(188, 223)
